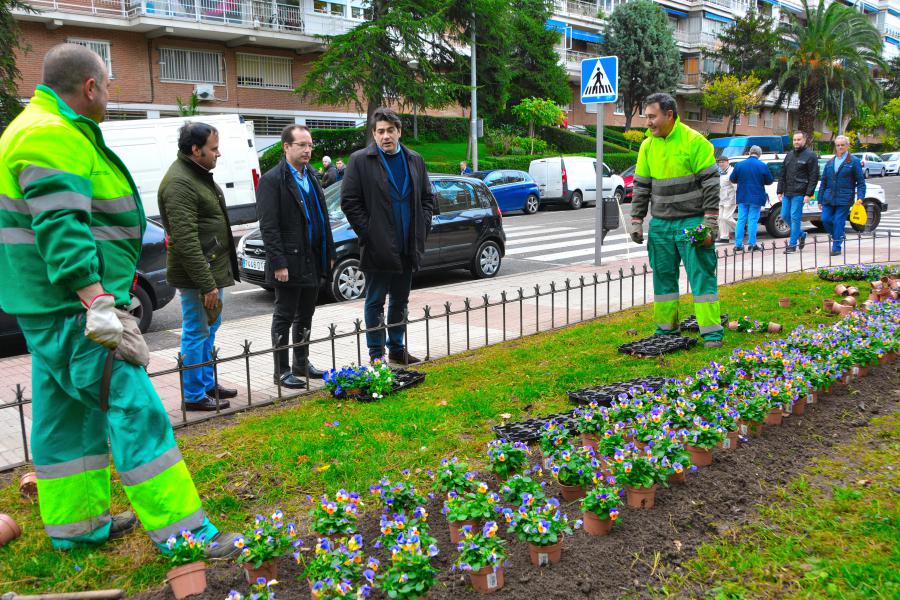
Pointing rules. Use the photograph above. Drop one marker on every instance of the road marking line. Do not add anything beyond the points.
(246, 291)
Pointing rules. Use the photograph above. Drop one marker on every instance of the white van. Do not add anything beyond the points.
(149, 146)
(572, 180)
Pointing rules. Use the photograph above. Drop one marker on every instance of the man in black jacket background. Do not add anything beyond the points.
(296, 232)
(796, 187)
(386, 196)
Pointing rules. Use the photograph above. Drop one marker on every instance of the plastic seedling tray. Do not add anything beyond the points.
(690, 323)
(530, 430)
(403, 378)
(605, 394)
(656, 345)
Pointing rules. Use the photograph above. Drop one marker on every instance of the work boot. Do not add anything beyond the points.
(790, 249)
(712, 344)
(122, 524)
(222, 546)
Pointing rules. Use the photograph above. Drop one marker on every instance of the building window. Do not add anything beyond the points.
(753, 120)
(714, 117)
(357, 12)
(329, 124)
(737, 120)
(268, 125)
(190, 66)
(692, 115)
(269, 72)
(767, 120)
(620, 107)
(100, 47)
(329, 8)
(125, 115)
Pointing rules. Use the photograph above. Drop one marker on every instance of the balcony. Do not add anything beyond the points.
(233, 21)
(577, 8)
(691, 80)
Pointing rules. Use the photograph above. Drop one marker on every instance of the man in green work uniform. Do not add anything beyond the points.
(676, 173)
(71, 225)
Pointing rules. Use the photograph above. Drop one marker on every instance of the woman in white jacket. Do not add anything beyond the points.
(727, 205)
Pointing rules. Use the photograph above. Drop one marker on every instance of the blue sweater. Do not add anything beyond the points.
(837, 188)
(751, 176)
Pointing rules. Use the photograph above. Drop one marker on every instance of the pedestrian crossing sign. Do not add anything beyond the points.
(600, 80)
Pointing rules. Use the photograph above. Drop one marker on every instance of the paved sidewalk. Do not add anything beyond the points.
(439, 336)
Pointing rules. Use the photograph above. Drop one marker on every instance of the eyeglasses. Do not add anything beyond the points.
(303, 145)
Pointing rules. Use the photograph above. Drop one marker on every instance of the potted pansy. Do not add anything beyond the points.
(506, 458)
(672, 455)
(640, 472)
(339, 567)
(863, 353)
(574, 469)
(393, 525)
(611, 440)
(336, 517)
(482, 555)
(543, 526)
(554, 437)
(590, 422)
(513, 488)
(752, 406)
(699, 236)
(410, 573)
(397, 495)
(260, 546)
(601, 505)
(468, 508)
(701, 438)
(186, 554)
(376, 380)
(453, 474)
(649, 425)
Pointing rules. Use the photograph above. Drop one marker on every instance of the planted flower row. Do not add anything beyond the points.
(857, 272)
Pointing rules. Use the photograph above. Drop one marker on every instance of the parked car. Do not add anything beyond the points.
(871, 163)
(891, 162)
(466, 232)
(572, 180)
(770, 215)
(150, 291)
(628, 179)
(514, 190)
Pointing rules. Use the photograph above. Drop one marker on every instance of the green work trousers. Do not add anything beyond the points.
(668, 247)
(71, 438)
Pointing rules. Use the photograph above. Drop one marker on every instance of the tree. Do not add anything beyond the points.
(832, 50)
(864, 121)
(537, 112)
(891, 79)
(732, 96)
(10, 39)
(533, 61)
(189, 109)
(639, 34)
(747, 45)
(890, 118)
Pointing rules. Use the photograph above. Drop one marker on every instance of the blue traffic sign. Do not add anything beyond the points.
(600, 80)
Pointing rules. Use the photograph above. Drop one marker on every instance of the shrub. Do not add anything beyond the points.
(634, 137)
(569, 142)
(504, 144)
(437, 129)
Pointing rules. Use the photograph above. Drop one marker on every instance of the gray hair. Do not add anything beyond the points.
(842, 137)
(68, 66)
(326, 159)
(755, 151)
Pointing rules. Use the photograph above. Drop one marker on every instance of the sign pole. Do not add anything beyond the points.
(598, 204)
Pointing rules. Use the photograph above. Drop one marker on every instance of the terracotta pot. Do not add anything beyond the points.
(812, 398)
(542, 556)
(840, 289)
(487, 580)
(883, 359)
(187, 580)
(849, 301)
(594, 525)
(860, 371)
(891, 356)
(733, 325)
(640, 445)
(827, 304)
(867, 305)
(9, 529)
(774, 417)
(28, 485)
(784, 302)
(678, 477)
(589, 440)
(570, 493)
(730, 442)
(893, 295)
(842, 310)
(455, 526)
(707, 241)
(799, 406)
(852, 290)
(641, 497)
(313, 594)
(267, 570)
(774, 327)
(700, 457)
(825, 389)
(751, 428)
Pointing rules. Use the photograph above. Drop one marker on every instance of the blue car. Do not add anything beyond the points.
(514, 190)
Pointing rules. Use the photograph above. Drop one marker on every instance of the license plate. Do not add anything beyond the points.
(254, 264)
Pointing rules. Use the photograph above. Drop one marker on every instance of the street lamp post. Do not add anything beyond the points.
(474, 125)
(414, 64)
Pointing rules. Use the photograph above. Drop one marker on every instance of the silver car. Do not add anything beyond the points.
(891, 162)
(871, 163)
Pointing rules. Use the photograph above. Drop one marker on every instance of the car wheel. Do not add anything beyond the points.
(866, 173)
(874, 218)
(348, 282)
(532, 203)
(818, 225)
(620, 196)
(141, 308)
(486, 262)
(576, 201)
(775, 225)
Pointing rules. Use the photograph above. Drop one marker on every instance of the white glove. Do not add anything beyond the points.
(132, 348)
(103, 325)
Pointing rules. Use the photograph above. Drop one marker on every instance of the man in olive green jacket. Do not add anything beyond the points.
(201, 258)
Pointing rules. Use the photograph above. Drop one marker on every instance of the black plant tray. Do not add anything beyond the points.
(657, 344)
(605, 394)
(403, 378)
(530, 430)
(690, 324)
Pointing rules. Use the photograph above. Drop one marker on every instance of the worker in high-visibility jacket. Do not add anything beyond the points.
(676, 177)
(71, 226)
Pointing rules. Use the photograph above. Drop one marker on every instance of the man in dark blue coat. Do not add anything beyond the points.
(842, 176)
(751, 176)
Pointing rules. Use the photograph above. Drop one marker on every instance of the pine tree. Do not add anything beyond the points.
(10, 41)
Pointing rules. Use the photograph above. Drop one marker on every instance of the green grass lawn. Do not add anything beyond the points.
(274, 457)
(444, 151)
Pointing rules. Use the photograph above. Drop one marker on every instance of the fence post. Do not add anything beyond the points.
(486, 304)
(568, 287)
(521, 313)
(179, 361)
(246, 352)
(503, 310)
(447, 314)
(537, 308)
(427, 311)
(357, 329)
(20, 400)
(580, 298)
(552, 305)
(467, 306)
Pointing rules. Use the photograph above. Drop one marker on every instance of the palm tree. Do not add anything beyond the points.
(834, 49)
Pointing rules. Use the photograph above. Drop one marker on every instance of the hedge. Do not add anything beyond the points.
(437, 129)
(328, 142)
(617, 161)
(569, 142)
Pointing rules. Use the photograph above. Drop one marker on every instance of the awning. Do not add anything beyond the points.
(891, 40)
(870, 8)
(554, 25)
(672, 11)
(894, 12)
(587, 36)
(715, 17)
(790, 7)
(772, 2)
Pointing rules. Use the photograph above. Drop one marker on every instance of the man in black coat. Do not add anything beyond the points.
(796, 187)
(296, 232)
(386, 196)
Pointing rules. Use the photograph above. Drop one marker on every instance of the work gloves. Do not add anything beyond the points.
(117, 330)
(712, 223)
(637, 231)
(133, 348)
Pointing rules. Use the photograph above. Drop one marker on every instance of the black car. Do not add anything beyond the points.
(466, 232)
(150, 291)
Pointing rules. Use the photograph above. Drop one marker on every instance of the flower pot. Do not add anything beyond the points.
(678, 477)
(774, 327)
(784, 302)
(700, 457)
(733, 325)
(28, 485)
(487, 580)
(312, 593)
(840, 289)
(774, 416)
(799, 406)
(812, 398)
(9, 529)
(570, 493)
(455, 527)
(827, 304)
(542, 556)
(852, 290)
(825, 389)
(268, 570)
(594, 525)
(730, 442)
(849, 301)
(860, 371)
(641, 497)
(589, 440)
(187, 580)
(751, 428)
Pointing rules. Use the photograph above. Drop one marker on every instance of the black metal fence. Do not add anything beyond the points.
(517, 314)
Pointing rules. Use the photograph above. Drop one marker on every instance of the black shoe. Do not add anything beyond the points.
(207, 404)
(790, 249)
(224, 392)
(755, 248)
(738, 249)
(314, 373)
(723, 241)
(222, 546)
(402, 357)
(835, 253)
(291, 382)
(802, 242)
(122, 524)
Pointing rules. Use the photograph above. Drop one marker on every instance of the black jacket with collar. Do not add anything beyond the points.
(799, 173)
(366, 201)
(285, 230)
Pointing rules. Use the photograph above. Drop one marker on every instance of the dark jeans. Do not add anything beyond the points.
(294, 308)
(834, 219)
(378, 286)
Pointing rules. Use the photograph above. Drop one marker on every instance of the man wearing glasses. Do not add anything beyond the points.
(293, 220)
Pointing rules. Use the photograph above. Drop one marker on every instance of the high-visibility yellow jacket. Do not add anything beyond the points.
(70, 213)
(676, 175)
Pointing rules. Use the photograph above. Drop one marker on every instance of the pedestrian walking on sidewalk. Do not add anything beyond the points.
(751, 176)
(72, 223)
(677, 179)
(201, 259)
(842, 176)
(387, 198)
(296, 232)
(796, 187)
(727, 206)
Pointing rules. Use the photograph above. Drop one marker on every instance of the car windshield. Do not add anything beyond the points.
(333, 202)
(629, 171)
(891, 156)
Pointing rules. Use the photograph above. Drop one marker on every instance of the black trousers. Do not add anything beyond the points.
(294, 308)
